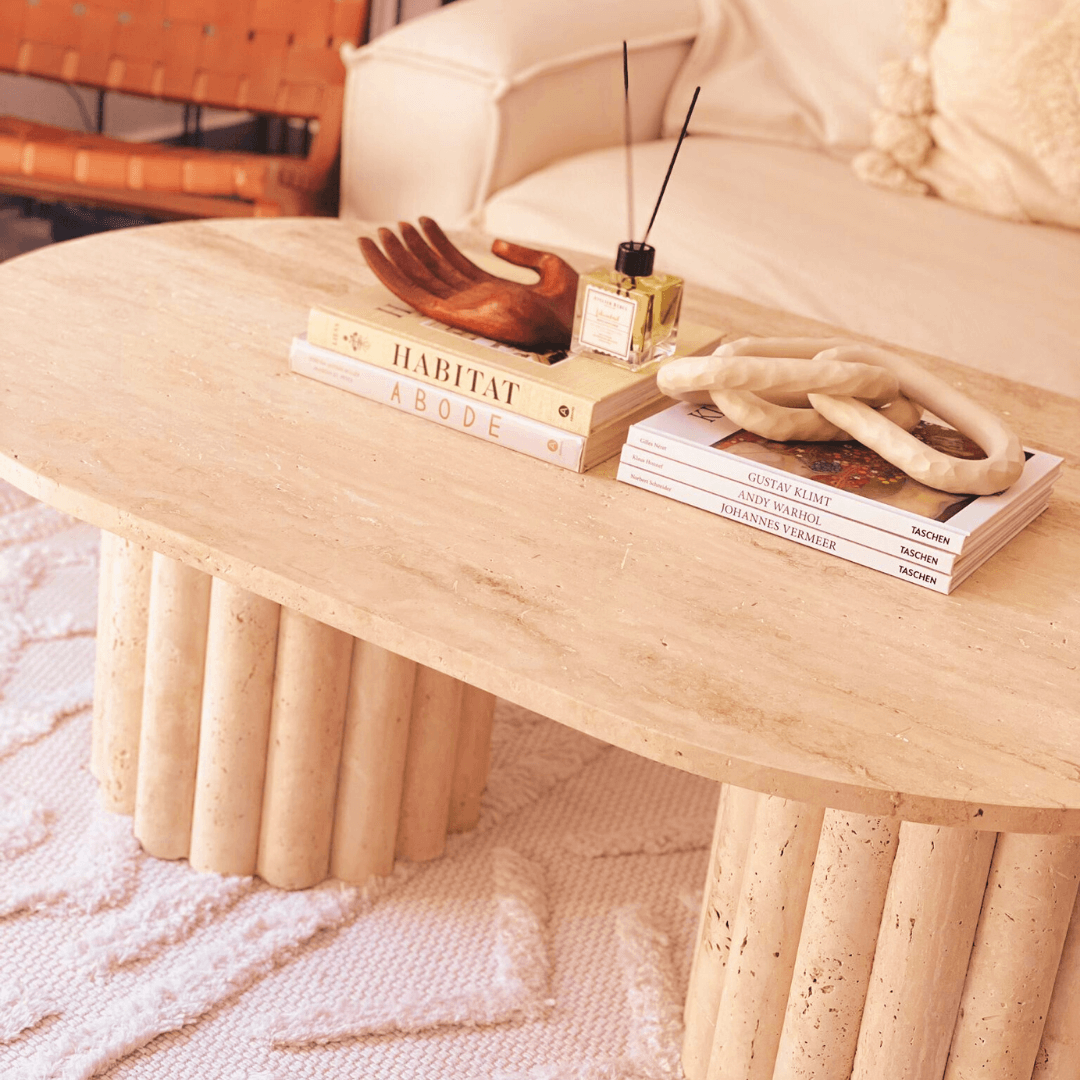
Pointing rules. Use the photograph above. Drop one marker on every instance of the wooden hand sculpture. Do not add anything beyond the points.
(436, 279)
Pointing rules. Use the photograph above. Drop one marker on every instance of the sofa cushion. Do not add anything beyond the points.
(797, 230)
(443, 110)
(997, 124)
(788, 71)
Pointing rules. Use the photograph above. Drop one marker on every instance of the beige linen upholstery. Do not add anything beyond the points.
(508, 116)
(445, 110)
(788, 71)
(796, 228)
(983, 108)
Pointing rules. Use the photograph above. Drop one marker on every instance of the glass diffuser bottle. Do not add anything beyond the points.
(627, 312)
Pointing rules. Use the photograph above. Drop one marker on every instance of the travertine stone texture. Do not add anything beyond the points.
(172, 704)
(836, 950)
(731, 838)
(268, 742)
(708, 959)
(103, 651)
(429, 765)
(473, 758)
(123, 667)
(237, 693)
(1014, 961)
(307, 724)
(764, 940)
(372, 763)
(804, 676)
(1059, 1055)
(931, 910)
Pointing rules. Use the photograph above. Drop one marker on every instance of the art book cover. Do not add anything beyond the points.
(939, 575)
(749, 503)
(843, 478)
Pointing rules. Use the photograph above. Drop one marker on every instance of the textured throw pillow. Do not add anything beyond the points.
(986, 112)
(788, 71)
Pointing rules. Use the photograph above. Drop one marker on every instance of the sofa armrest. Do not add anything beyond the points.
(445, 110)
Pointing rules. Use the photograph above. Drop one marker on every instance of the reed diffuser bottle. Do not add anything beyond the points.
(627, 313)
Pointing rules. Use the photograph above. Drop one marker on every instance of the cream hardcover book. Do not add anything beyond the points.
(468, 415)
(576, 393)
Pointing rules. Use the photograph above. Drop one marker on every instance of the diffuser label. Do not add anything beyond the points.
(607, 322)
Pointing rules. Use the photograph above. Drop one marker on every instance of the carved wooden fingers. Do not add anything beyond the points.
(430, 274)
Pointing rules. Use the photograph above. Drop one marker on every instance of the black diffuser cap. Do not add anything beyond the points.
(635, 260)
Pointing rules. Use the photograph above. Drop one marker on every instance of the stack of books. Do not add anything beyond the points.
(840, 498)
(573, 411)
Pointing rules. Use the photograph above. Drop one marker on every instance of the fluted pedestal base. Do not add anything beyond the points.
(833, 946)
(251, 739)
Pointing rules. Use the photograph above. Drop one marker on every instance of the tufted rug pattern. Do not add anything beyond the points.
(552, 943)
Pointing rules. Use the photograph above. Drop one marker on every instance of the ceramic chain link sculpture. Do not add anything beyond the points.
(820, 390)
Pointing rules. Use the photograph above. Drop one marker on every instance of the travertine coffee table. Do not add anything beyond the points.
(895, 861)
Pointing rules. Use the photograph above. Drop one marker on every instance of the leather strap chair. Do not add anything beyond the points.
(268, 57)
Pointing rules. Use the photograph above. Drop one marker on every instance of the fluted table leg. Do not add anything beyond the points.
(238, 687)
(731, 838)
(429, 765)
(122, 669)
(103, 652)
(836, 949)
(307, 724)
(250, 738)
(372, 763)
(764, 940)
(1014, 960)
(473, 758)
(1059, 1055)
(172, 703)
(833, 946)
(931, 910)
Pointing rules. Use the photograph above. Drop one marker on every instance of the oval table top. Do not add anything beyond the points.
(144, 387)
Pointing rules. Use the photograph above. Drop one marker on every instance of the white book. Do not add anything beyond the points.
(473, 417)
(688, 433)
(808, 536)
(758, 499)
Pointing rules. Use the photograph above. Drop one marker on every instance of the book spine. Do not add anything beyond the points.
(822, 541)
(442, 368)
(758, 499)
(815, 496)
(442, 407)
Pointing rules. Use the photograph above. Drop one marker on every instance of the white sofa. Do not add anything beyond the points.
(507, 115)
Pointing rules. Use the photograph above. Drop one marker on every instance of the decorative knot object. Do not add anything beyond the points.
(822, 390)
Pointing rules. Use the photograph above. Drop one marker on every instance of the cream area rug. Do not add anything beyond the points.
(552, 942)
